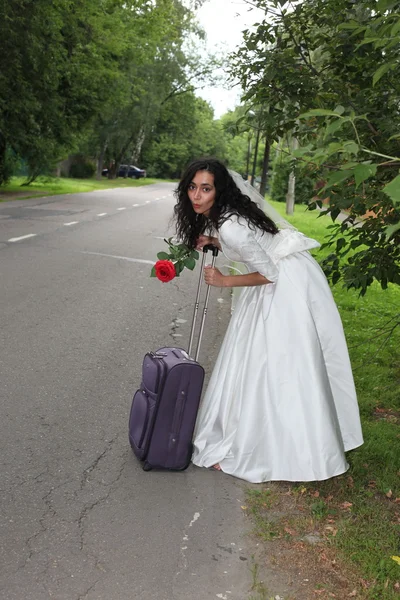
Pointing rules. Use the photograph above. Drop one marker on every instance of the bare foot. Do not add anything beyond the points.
(217, 467)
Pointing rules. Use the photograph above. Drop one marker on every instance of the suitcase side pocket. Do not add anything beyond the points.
(139, 422)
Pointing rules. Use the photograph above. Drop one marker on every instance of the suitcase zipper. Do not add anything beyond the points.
(179, 410)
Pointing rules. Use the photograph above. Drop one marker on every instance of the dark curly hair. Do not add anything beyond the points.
(229, 200)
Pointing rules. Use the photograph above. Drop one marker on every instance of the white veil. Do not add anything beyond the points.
(246, 188)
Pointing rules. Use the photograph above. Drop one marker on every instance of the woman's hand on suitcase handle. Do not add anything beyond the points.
(214, 277)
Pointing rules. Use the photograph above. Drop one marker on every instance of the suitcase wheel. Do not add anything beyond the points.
(147, 467)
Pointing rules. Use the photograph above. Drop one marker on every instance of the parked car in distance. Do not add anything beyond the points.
(128, 171)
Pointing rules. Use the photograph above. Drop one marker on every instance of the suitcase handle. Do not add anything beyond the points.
(214, 251)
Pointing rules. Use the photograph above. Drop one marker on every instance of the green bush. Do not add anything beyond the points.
(281, 169)
(82, 168)
(9, 165)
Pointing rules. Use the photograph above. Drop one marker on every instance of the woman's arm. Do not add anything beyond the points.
(214, 277)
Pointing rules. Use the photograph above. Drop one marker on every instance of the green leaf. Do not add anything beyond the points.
(384, 5)
(319, 112)
(179, 266)
(337, 177)
(392, 190)
(363, 172)
(299, 152)
(380, 72)
(163, 256)
(153, 272)
(351, 146)
(334, 126)
(395, 29)
(195, 255)
(348, 165)
(369, 40)
(351, 25)
(334, 147)
(190, 263)
(339, 109)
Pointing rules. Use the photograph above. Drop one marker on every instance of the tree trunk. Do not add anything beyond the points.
(113, 170)
(291, 195)
(3, 148)
(138, 146)
(112, 173)
(248, 157)
(100, 160)
(264, 174)
(253, 174)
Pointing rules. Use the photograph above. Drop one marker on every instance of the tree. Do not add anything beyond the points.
(185, 130)
(57, 66)
(340, 57)
(157, 66)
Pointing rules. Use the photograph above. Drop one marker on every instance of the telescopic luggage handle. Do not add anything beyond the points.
(214, 251)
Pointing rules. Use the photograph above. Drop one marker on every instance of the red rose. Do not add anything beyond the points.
(165, 270)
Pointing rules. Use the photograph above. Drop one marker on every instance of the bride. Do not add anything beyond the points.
(281, 402)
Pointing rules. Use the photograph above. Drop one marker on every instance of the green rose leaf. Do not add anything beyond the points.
(179, 266)
(153, 272)
(163, 256)
(190, 263)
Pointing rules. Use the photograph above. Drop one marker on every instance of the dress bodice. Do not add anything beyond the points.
(259, 250)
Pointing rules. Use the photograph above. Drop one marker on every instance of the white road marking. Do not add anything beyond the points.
(195, 517)
(23, 237)
(135, 205)
(136, 260)
(72, 223)
(147, 201)
(101, 214)
(122, 208)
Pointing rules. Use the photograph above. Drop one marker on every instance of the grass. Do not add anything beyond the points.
(358, 514)
(51, 186)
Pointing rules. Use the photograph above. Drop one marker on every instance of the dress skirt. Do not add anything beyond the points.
(281, 402)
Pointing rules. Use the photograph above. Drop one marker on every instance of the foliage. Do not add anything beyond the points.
(283, 165)
(184, 130)
(82, 168)
(90, 76)
(342, 57)
(55, 71)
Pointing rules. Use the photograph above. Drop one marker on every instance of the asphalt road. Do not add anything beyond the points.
(78, 310)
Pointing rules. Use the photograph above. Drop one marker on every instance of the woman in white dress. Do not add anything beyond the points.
(281, 402)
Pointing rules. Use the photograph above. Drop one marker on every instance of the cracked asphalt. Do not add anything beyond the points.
(80, 519)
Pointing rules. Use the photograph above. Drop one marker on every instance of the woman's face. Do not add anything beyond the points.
(201, 192)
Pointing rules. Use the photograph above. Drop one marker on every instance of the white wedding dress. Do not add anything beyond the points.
(281, 403)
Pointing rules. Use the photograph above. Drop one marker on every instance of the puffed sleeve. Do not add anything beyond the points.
(242, 243)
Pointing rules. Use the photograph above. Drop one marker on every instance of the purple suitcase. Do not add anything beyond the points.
(164, 408)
